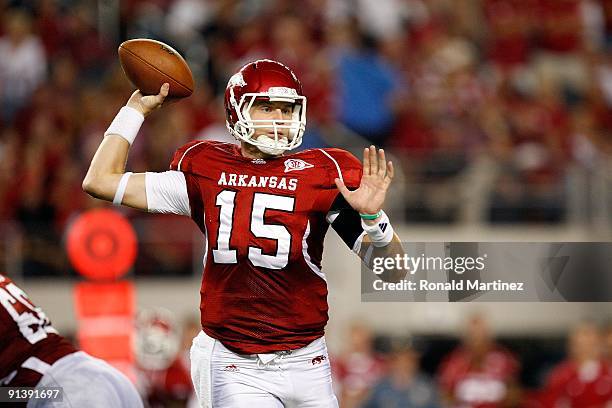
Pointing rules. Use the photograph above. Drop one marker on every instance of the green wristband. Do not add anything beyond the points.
(370, 216)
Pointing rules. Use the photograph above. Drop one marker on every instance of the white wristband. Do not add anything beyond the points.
(126, 124)
(123, 181)
(380, 233)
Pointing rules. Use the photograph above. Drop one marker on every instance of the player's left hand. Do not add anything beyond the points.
(377, 175)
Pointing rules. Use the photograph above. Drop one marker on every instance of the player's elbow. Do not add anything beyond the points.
(89, 185)
(93, 186)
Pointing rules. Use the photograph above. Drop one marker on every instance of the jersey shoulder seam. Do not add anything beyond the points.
(178, 166)
(333, 163)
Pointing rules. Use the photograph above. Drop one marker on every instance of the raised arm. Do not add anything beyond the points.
(107, 169)
(378, 239)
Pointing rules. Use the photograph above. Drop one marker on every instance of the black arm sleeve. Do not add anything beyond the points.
(348, 223)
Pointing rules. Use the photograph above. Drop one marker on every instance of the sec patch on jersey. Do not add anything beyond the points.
(296, 164)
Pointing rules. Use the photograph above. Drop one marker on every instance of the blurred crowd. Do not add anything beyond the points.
(478, 372)
(474, 370)
(486, 104)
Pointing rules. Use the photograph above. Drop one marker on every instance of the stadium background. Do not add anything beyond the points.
(498, 112)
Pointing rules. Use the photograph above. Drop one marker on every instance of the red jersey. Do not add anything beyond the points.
(28, 340)
(264, 219)
(171, 385)
(587, 386)
(483, 385)
(358, 372)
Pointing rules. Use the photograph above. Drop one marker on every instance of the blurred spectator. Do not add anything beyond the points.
(532, 156)
(607, 343)
(358, 368)
(404, 386)
(561, 42)
(88, 48)
(480, 373)
(364, 105)
(9, 167)
(23, 64)
(606, 8)
(585, 378)
(510, 24)
(186, 18)
(381, 19)
(49, 21)
(164, 379)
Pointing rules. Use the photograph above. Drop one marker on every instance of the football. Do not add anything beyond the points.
(149, 63)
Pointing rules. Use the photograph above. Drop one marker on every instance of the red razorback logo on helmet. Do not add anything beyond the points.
(318, 359)
(296, 164)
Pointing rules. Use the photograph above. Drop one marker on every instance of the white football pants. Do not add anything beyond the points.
(223, 379)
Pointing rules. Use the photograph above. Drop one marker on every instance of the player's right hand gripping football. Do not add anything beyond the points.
(147, 104)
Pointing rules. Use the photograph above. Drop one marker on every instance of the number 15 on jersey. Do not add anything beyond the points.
(223, 254)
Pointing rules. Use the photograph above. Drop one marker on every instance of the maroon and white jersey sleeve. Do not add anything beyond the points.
(28, 342)
(263, 288)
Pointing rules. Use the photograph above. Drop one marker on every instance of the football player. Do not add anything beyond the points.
(584, 379)
(264, 214)
(33, 354)
(480, 373)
